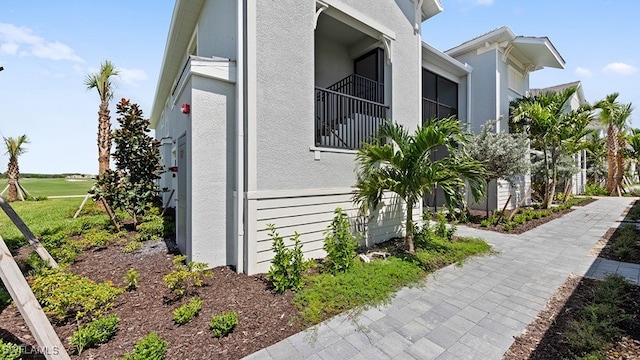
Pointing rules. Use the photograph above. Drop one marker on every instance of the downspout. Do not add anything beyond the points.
(239, 204)
(468, 96)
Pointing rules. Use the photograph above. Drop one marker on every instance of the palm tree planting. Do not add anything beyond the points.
(101, 82)
(402, 164)
(15, 148)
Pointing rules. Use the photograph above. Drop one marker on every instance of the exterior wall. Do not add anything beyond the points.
(332, 62)
(483, 85)
(217, 30)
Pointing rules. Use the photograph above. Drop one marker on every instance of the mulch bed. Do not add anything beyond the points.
(264, 318)
(543, 339)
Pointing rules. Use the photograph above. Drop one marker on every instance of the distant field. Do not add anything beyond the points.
(53, 187)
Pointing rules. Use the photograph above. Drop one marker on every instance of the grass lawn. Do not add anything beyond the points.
(55, 187)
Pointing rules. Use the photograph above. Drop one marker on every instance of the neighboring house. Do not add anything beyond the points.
(501, 64)
(578, 180)
(261, 106)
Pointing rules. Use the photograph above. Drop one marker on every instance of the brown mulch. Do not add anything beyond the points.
(264, 318)
(543, 339)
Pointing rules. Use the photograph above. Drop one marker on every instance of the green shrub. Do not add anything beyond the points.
(595, 190)
(61, 248)
(63, 294)
(151, 229)
(223, 324)
(185, 276)
(442, 228)
(150, 347)
(96, 238)
(132, 246)
(5, 298)
(485, 223)
(287, 265)
(35, 263)
(188, 311)
(624, 246)
(438, 252)
(507, 227)
(340, 244)
(96, 332)
(131, 279)
(10, 351)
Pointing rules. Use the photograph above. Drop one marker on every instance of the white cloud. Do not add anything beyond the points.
(132, 76)
(580, 71)
(620, 68)
(21, 40)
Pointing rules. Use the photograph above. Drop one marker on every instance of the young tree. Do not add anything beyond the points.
(402, 165)
(621, 119)
(503, 155)
(608, 107)
(552, 129)
(596, 156)
(101, 82)
(131, 186)
(15, 147)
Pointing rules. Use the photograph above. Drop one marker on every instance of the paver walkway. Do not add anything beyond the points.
(473, 311)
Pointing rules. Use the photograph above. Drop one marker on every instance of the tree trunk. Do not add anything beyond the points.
(545, 200)
(408, 239)
(554, 179)
(487, 201)
(612, 151)
(13, 173)
(104, 137)
(620, 162)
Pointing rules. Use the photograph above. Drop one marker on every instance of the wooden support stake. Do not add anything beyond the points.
(524, 198)
(168, 201)
(48, 341)
(112, 216)
(82, 205)
(5, 189)
(504, 208)
(24, 229)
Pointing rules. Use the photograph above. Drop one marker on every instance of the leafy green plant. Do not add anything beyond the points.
(35, 263)
(132, 185)
(340, 243)
(287, 265)
(595, 190)
(188, 311)
(61, 248)
(151, 229)
(64, 294)
(131, 279)
(185, 276)
(10, 351)
(96, 332)
(96, 238)
(132, 246)
(442, 227)
(223, 324)
(5, 298)
(150, 347)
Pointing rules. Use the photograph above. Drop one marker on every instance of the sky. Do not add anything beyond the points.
(47, 48)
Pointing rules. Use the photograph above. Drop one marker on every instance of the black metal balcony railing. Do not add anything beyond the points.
(361, 87)
(345, 121)
(433, 109)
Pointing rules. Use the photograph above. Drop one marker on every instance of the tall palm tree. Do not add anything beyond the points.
(402, 165)
(633, 149)
(621, 120)
(101, 81)
(14, 148)
(608, 107)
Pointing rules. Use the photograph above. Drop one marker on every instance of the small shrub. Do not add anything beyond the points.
(96, 332)
(61, 248)
(151, 229)
(223, 324)
(340, 244)
(150, 347)
(5, 298)
(131, 279)
(485, 223)
(36, 264)
(442, 228)
(595, 190)
(132, 246)
(183, 277)
(507, 227)
(287, 265)
(63, 294)
(10, 351)
(96, 238)
(188, 311)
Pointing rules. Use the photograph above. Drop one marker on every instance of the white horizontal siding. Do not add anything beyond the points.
(310, 215)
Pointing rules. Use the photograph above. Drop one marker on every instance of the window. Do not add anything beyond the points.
(516, 80)
(439, 96)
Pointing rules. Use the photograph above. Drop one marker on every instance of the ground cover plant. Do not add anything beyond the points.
(98, 331)
(188, 311)
(151, 347)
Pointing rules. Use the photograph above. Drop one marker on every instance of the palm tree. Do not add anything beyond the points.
(15, 148)
(608, 107)
(101, 82)
(401, 164)
(596, 155)
(553, 130)
(621, 118)
(633, 149)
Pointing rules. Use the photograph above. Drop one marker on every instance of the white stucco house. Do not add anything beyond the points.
(578, 180)
(261, 106)
(502, 63)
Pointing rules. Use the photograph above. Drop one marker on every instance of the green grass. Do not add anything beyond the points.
(44, 217)
(55, 187)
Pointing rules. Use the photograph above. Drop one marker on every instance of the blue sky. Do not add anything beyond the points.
(48, 47)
